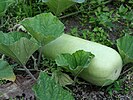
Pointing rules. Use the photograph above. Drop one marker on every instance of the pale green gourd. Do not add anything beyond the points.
(104, 68)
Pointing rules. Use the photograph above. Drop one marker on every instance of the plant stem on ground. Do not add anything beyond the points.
(3, 56)
(126, 71)
(22, 69)
(31, 75)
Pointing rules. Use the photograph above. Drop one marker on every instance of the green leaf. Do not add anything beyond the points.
(58, 6)
(130, 1)
(122, 9)
(62, 78)
(4, 4)
(128, 16)
(76, 62)
(16, 46)
(6, 71)
(125, 47)
(44, 27)
(47, 89)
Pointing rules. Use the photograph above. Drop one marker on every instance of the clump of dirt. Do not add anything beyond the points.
(21, 88)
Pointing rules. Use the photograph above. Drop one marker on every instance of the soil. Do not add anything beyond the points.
(87, 91)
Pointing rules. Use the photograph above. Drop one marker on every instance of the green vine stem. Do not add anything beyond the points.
(35, 64)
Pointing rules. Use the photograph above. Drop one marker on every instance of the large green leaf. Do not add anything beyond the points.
(44, 27)
(6, 71)
(4, 4)
(125, 47)
(10, 38)
(17, 46)
(76, 62)
(58, 6)
(47, 89)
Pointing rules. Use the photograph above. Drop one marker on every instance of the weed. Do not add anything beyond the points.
(2, 81)
(96, 35)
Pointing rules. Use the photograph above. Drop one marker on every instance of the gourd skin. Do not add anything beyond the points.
(104, 68)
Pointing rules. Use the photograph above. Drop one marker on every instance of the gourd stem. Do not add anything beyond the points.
(39, 57)
(78, 74)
